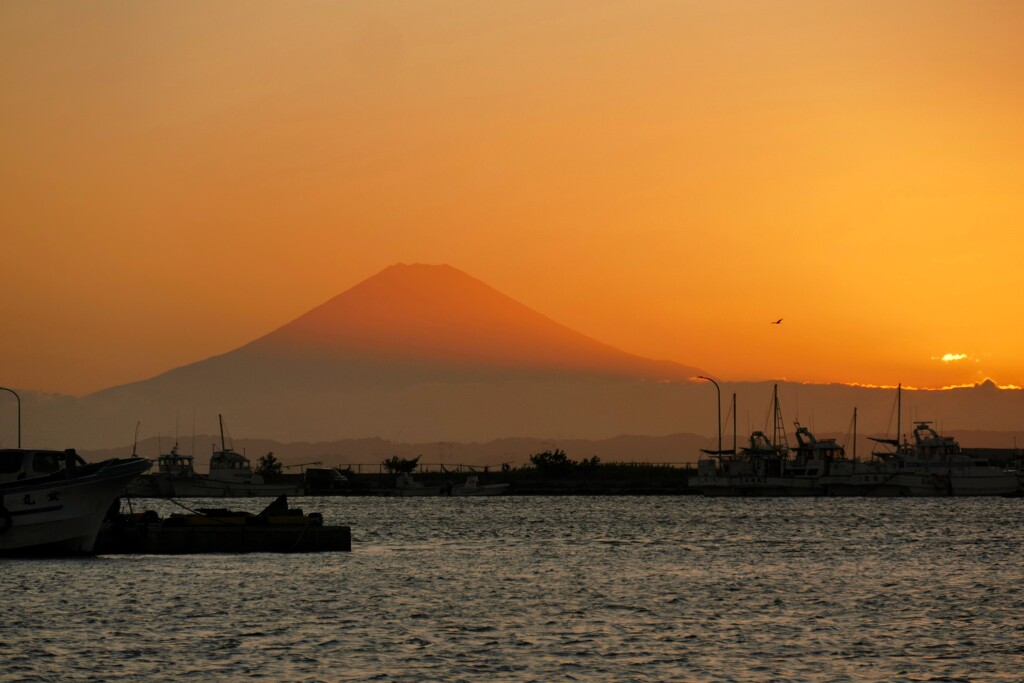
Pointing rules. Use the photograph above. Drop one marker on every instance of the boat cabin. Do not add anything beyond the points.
(929, 444)
(21, 465)
(175, 464)
(230, 466)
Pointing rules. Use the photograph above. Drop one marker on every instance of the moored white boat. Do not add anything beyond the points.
(53, 502)
(231, 476)
(935, 465)
(768, 467)
(406, 486)
(931, 465)
(473, 487)
(169, 466)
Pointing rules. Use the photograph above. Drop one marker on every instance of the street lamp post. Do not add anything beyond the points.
(18, 398)
(718, 392)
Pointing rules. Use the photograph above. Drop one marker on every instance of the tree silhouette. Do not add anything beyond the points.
(396, 465)
(552, 462)
(268, 467)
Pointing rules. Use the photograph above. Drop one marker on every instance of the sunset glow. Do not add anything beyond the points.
(179, 179)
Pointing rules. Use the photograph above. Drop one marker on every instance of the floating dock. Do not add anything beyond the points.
(275, 530)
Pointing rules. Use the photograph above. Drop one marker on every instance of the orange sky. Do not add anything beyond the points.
(177, 179)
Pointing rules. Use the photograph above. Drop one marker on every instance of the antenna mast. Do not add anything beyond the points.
(136, 443)
(855, 433)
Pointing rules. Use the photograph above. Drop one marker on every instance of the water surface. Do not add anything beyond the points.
(541, 589)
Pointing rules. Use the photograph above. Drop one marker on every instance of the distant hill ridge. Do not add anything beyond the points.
(371, 452)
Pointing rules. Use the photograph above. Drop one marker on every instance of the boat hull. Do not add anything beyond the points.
(417, 491)
(164, 486)
(482, 490)
(61, 516)
(958, 482)
(757, 487)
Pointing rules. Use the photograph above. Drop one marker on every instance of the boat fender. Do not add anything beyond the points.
(5, 519)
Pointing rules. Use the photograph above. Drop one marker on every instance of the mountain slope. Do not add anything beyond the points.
(422, 314)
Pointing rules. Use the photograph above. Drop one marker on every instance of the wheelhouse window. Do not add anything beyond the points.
(46, 463)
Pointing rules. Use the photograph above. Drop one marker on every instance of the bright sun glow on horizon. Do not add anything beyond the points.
(180, 179)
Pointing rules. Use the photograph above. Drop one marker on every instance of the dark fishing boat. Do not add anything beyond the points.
(53, 502)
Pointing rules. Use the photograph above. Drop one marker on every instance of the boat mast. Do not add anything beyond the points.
(734, 425)
(775, 416)
(778, 428)
(899, 414)
(220, 418)
(855, 434)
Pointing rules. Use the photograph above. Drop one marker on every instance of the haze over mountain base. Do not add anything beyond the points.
(553, 412)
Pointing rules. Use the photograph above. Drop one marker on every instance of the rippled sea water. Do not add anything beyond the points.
(547, 589)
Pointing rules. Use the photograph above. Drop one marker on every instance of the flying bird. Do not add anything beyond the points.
(777, 322)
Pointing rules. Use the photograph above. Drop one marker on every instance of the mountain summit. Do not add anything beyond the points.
(439, 316)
